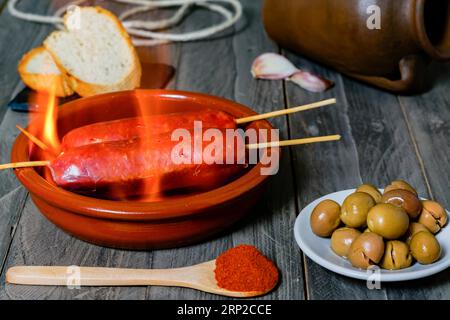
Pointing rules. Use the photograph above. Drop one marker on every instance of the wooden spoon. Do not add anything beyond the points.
(200, 277)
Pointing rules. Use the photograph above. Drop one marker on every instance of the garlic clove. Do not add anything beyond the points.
(272, 66)
(310, 81)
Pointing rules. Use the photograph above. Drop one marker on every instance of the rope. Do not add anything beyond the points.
(146, 30)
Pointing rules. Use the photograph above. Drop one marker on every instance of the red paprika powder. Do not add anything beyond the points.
(244, 268)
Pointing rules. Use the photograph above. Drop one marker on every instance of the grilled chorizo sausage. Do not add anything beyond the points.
(129, 168)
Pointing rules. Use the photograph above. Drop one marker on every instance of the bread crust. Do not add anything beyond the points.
(41, 81)
(84, 89)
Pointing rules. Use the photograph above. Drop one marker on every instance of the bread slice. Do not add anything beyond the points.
(39, 71)
(97, 54)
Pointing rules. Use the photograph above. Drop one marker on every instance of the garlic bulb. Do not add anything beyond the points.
(310, 81)
(272, 66)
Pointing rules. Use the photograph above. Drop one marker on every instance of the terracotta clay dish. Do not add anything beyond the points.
(170, 222)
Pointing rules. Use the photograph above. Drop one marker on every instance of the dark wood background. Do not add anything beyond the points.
(385, 137)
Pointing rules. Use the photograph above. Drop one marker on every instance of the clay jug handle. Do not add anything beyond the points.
(432, 28)
(412, 69)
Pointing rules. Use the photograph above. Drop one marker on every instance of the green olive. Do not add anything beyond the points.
(325, 218)
(425, 248)
(388, 221)
(433, 216)
(396, 256)
(404, 199)
(414, 228)
(366, 250)
(400, 184)
(355, 208)
(371, 190)
(342, 239)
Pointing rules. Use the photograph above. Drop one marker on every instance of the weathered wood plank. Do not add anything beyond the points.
(2, 5)
(428, 116)
(38, 242)
(11, 205)
(8, 132)
(324, 168)
(386, 152)
(12, 196)
(31, 35)
(222, 67)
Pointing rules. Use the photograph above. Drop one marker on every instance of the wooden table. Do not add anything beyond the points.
(385, 137)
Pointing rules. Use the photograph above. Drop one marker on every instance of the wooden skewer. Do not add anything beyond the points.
(285, 111)
(263, 116)
(28, 164)
(293, 142)
(35, 140)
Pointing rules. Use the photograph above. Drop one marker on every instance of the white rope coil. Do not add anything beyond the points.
(147, 30)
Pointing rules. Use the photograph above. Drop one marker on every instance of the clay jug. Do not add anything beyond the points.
(390, 53)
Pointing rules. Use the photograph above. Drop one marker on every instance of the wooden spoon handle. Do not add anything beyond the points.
(87, 276)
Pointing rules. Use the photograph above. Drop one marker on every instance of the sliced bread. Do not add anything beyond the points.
(97, 53)
(39, 71)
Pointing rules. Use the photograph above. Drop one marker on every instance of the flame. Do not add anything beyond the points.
(43, 124)
(50, 133)
(146, 190)
(154, 75)
(150, 188)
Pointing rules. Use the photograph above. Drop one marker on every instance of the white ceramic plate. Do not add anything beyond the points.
(319, 250)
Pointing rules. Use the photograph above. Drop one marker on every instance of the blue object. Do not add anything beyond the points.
(21, 103)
